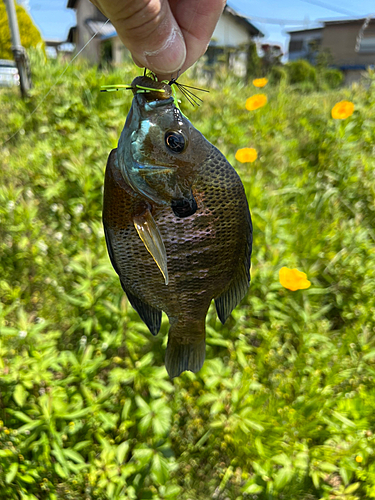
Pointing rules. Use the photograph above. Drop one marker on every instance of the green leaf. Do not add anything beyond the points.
(316, 480)
(82, 444)
(121, 451)
(11, 474)
(327, 467)
(60, 471)
(227, 475)
(146, 360)
(217, 407)
(143, 455)
(144, 408)
(126, 410)
(30, 426)
(253, 489)
(21, 416)
(108, 419)
(219, 342)
(253, 425)
(343, 419)
(207, 399)
(203, 439)
(59, 454)
(76, 414)
(110, 489)
(282, 477)
(345, 475)
(172, 491)
(161, 421)
(26, 478)
(145, 423)
(5, 453)
(20, 394)
(160, 468)
(73, 455)
(352, 488)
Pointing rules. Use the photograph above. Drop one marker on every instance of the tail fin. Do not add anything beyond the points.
(180, 357)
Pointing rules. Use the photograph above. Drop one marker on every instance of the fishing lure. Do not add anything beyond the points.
(186, 90)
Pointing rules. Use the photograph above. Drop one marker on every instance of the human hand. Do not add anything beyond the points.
(164, 36)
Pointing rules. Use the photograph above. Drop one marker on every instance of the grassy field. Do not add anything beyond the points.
(284, 407)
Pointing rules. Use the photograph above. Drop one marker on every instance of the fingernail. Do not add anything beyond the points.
(170, 57)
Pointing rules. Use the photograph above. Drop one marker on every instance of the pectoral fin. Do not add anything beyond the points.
(151, 237)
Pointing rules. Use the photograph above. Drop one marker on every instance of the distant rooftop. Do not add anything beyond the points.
(304, 30)
(106, 30)
(331, 22)
(244, 20)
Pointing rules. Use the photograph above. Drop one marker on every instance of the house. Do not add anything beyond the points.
(304, 43)
(229, 42)
(89, 20)
(231, 39)
(55, 47)
(351, 47)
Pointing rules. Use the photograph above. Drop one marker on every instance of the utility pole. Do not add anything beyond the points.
(19, 52)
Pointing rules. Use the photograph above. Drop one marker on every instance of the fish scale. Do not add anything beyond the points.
(202, 256)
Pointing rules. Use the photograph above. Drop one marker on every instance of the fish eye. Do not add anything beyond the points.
(175, 141)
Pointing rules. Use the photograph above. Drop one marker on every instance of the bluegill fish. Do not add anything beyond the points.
(176, 222)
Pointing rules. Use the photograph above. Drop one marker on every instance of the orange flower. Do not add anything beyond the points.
(292, 279)
(342, 110)
(246, 155)
(256, 101)
(260, 82)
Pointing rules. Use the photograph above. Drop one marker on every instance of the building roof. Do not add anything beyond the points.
(244, 21)
(306, 30)
(358, 20)
(53, 43)
(104, 30)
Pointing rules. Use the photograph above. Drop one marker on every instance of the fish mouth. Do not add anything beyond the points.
(144, 103)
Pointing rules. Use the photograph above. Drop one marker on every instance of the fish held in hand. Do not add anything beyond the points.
(176, 222)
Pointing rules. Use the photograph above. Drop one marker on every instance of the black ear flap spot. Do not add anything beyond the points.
(184, 207)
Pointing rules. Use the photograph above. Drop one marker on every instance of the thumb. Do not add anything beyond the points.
(149, 30)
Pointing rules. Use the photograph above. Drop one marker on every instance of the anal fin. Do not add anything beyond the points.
(150, 235)
(150, 315)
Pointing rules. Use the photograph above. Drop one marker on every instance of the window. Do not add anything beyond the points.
(367, 44)
(295, 45)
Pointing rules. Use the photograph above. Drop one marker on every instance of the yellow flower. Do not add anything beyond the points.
(260, 82)
(292, 279)
(256, 101)
(246, 155)
(358, 459)
(342, 110)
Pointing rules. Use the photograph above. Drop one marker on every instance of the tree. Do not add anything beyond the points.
(30, 35)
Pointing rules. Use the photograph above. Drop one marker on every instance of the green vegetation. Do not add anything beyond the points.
(284, 407)
(301, 71)
(300, 74)
(29, 33)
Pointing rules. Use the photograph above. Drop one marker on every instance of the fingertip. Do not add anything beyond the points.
(170, 57)
(137, 62)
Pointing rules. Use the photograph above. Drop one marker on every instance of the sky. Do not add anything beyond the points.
(273, 17)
